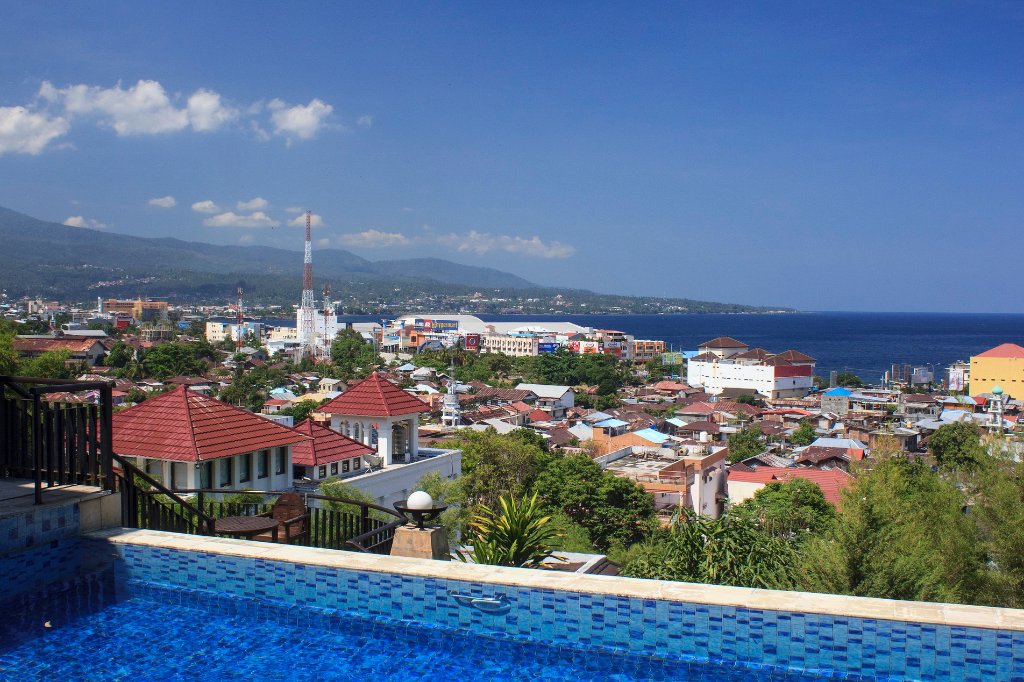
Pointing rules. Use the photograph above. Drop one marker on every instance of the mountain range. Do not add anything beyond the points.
(51, 260)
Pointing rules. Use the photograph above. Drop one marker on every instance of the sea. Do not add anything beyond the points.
(866, 344)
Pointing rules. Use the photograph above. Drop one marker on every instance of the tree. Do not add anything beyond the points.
(517, 533)
(352, 356)
(745, 443)
(848, 379)
(792, 510)
(901, 533)
(610, 508)
(53, 364)
(956, 446)
(494, 465)
(120, 355)
(300, 411)
(1000, 517)
(731, 550)
(804, 435)
(175, 359)
(8, 356)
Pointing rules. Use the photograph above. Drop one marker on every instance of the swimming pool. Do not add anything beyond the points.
(141, 631)
(182, 607)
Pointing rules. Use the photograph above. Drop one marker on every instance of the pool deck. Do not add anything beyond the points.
(17, 496)
(741, 597)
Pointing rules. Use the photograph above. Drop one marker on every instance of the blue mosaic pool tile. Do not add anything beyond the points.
(851, 648)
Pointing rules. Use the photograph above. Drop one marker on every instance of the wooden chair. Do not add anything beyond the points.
(292, 516)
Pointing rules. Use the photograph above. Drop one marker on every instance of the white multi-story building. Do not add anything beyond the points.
(510, 344)
(725, 363)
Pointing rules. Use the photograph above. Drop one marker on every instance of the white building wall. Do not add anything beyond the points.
(716, 376)
(396, 483)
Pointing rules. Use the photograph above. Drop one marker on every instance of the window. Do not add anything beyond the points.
(155, 468)
(280, 460)
(225, 473)
(322, 471)
(357, 464)
(263, 464)
(344, 466)
(245, 467)
(334, 468)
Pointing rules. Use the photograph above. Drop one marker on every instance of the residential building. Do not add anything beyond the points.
(744, 482)
(189, 440)
(644, 350)
(553, 399)
(727, 364)
(511, 344)
(1000, 366)
(82, 349)
(141, 311)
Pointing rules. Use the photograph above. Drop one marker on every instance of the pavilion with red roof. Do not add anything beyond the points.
(327, 453)
(190, 440)
(377, 413)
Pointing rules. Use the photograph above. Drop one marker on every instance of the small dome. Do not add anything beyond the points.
(997, 390)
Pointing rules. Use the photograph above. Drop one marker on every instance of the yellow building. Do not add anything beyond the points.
(1002, 366)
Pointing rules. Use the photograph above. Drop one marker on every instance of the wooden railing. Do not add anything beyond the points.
(334, 522)
(55, 442)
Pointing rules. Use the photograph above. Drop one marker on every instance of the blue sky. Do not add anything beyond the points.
(842, 156)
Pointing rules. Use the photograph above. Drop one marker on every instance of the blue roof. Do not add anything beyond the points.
(839, 391)
(651, 435)
(611, 423)
(675, 422)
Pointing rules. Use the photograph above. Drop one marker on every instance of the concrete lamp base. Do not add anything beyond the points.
(428, 543)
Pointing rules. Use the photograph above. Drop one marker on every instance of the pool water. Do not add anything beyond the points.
(92, 629)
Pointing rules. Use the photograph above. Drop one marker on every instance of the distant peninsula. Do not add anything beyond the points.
(53, 261)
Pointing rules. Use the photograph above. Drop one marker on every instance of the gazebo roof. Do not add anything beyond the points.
(183, 425)
(375, 396)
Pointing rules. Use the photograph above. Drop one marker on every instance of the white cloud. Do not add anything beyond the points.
(205, 206)
(374, 239)
(26, 132)
(79, 221)
(142, 109)
(323, 241)
(295, 209)
(206, 112)
(254, 204)
(232, 219)
(481, 242)
(163, 202)
(246, 239)
(300, 220)
(365, 121)
(302, 121)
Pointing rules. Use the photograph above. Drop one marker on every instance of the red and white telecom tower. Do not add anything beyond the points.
(307, 308)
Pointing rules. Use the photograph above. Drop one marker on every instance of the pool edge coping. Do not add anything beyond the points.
(842, 606)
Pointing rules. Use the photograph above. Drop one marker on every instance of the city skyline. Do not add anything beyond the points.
(735, 155)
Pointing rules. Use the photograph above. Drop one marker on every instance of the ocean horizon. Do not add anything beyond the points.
(864, 343)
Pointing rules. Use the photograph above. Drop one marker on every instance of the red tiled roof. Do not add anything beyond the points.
(187, 426)
(753, 354)
(723, 342)
(75, 345)
(697, 427)
(1005, 350)
(325, 446)
(538, 416)
(831, 481)
(375, 396)
(795, 356)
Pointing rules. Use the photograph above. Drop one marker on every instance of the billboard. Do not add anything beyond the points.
(956, 379)
(547, 347)
(671, 359)
(472, 342)
(429, 325)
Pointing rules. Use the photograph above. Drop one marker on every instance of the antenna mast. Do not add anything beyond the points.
(307, 308)
(239, 322)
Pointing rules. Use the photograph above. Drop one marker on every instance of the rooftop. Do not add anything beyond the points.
(375, 396)
(183, 425)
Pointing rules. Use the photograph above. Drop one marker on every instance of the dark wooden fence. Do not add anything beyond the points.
(55, 442)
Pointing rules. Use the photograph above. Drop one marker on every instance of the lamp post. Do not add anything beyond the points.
(419, 508)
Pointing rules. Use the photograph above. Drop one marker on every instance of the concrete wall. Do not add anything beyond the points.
(395, 483)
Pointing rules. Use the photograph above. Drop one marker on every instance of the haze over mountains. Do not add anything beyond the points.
(41, 258)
